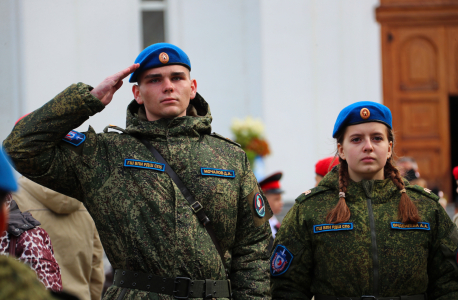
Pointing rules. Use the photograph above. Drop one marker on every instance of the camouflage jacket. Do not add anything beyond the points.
(145, 223)
(19, 282)
(371, 254)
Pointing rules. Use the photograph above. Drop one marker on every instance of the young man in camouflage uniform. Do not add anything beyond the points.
(148, 230)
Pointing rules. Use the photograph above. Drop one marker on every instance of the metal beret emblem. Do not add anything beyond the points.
(164, 58)
(365, 113)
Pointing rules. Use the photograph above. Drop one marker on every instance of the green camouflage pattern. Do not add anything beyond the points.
(19, 282)
(144, 222)
(340, 263)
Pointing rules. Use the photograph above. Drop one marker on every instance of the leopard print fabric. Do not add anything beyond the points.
(34, 248)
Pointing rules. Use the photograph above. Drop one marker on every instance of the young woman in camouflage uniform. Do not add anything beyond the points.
(364, 232)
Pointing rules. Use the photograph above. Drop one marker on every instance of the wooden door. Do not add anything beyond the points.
(416, 91)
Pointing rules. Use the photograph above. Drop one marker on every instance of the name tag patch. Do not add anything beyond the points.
(217, 172)
(259, 205)
(416, 226)
(332, 227)
(74, 137)
(280, 261)
(143, 164)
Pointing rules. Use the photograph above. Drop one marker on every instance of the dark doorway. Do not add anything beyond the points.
(454, 141)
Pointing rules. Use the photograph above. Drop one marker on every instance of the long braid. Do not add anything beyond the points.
(341, 213)
(408, 212)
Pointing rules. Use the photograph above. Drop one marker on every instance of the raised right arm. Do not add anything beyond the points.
(35, 144)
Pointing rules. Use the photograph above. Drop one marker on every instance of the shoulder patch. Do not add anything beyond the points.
(309, 193)
(423, 191)
(214, 134)
(105, 130)
(75, 138)
(280, 261)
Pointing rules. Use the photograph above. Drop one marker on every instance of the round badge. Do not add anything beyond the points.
(365, 113)
(259, 205)
(164, 58)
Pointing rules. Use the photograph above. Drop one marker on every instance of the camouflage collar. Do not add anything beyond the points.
(196, 123)
(380, 191)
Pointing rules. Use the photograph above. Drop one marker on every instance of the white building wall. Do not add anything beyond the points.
(318, 57)
(64, 42)
(223, 41)
(294, 63)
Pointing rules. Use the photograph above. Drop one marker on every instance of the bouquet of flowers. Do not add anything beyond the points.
(249, 134)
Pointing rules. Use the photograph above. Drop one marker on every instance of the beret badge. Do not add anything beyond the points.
(365, 113)
(163, 58)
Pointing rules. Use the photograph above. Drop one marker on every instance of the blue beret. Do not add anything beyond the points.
(7, 180)
(159, 55)
(362, 112)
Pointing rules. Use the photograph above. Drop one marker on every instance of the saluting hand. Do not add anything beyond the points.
(105, 90)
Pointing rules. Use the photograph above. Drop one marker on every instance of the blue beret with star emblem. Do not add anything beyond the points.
(159, 55)
(7, 180)
(362, 112)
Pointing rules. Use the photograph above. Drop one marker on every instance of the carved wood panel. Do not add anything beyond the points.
(418, 62)
(452, 59)
(415, 89)
(420, 119)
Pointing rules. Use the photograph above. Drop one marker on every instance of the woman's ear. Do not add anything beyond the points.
(340, 151)
(390, 150)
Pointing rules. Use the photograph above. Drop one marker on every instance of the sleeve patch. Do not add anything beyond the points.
(280, 261)
(259, 209)
(75, 138)
(259, 205)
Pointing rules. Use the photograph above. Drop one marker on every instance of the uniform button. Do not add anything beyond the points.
(135, 274)
(148, 286)
(149, 276)
(134, 284)
(123, 272)
(122, 282)
(163, 289)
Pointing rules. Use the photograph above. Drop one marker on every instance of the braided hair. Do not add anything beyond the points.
(407, 211)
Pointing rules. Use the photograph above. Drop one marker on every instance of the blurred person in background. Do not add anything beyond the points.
(323, 166)
(76, 243)
(406, 163)
(455, 175)
(17, 280)
(273, 192)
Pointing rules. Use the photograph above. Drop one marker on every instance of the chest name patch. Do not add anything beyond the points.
(417, 226)
(143, 164)
(75, 138)
(217, 172)
(280, 261)
(332, 227)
